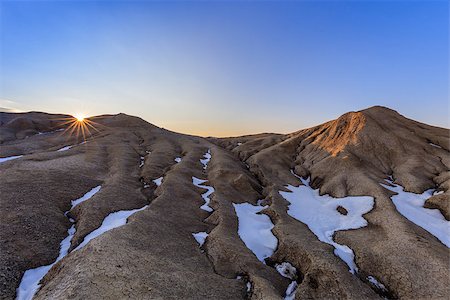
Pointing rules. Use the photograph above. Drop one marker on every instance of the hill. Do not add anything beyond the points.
(120, 208)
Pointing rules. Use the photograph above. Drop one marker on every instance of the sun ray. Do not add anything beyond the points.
(79, 126)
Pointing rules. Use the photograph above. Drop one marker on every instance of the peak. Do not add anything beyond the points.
(363, 116)
(121, 120)
(351, 127)
(379, 111)
(378, 114)
(378, 108)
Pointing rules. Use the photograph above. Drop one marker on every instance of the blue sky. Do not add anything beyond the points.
(226, 68)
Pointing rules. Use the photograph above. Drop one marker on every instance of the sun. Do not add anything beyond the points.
(80, 125)
(79, 117)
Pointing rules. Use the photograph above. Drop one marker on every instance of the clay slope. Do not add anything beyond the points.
(352, 156)
(128, 166)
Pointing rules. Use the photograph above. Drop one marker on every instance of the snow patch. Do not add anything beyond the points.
(249, 286)
(32, 277)
(86, 196)
(259, 202)
(376, 283)
(289, 271)
(434, 145)
(199, 183)
(177, 159)
(290, 291)
(141, 161)
(71, 146)
(239, 143)
(437, 193)
(255, 230)
(206, 159)
(410, 205)
(3, 159)
(29, 284)
(113, 220)
(320, 215)
(158, 181)
(49, 132)
(286, 270)
(64, 148)
(200, 237)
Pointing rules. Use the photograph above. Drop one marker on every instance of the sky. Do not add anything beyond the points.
(226, 68)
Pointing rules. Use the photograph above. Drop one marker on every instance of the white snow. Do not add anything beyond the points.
(141, 161)
(177, 159)
(3, 159)
(320, 215)
(206, 159)
(290, 291)
(29, 284)
(376, 283)
(86, 196)
(289, 271)
(259, 202)
(434, 145)
(410, 205)
(200, 237)
(255, 230)
(199, 183)
(438, 193)
(286, 270)
(64, 148)
(113, 220)
(31, 278)
(158, 181)
(239, 144)
(50, 132)
(71, 146)
(249, 286)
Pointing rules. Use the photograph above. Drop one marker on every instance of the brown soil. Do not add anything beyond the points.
(155, 255)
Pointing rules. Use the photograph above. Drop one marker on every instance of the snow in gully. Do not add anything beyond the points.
(255, 230)
(4, 159)
(200, 237)
(30, 282)
(410, 205)
(320, 214)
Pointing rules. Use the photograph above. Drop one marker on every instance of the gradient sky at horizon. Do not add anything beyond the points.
(226, 68)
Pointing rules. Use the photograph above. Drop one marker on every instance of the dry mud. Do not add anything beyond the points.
(154, 256)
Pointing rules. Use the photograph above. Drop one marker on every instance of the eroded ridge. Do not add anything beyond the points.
(31, 279)
(113, 220)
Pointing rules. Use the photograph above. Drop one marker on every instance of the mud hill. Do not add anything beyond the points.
(355, 208)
